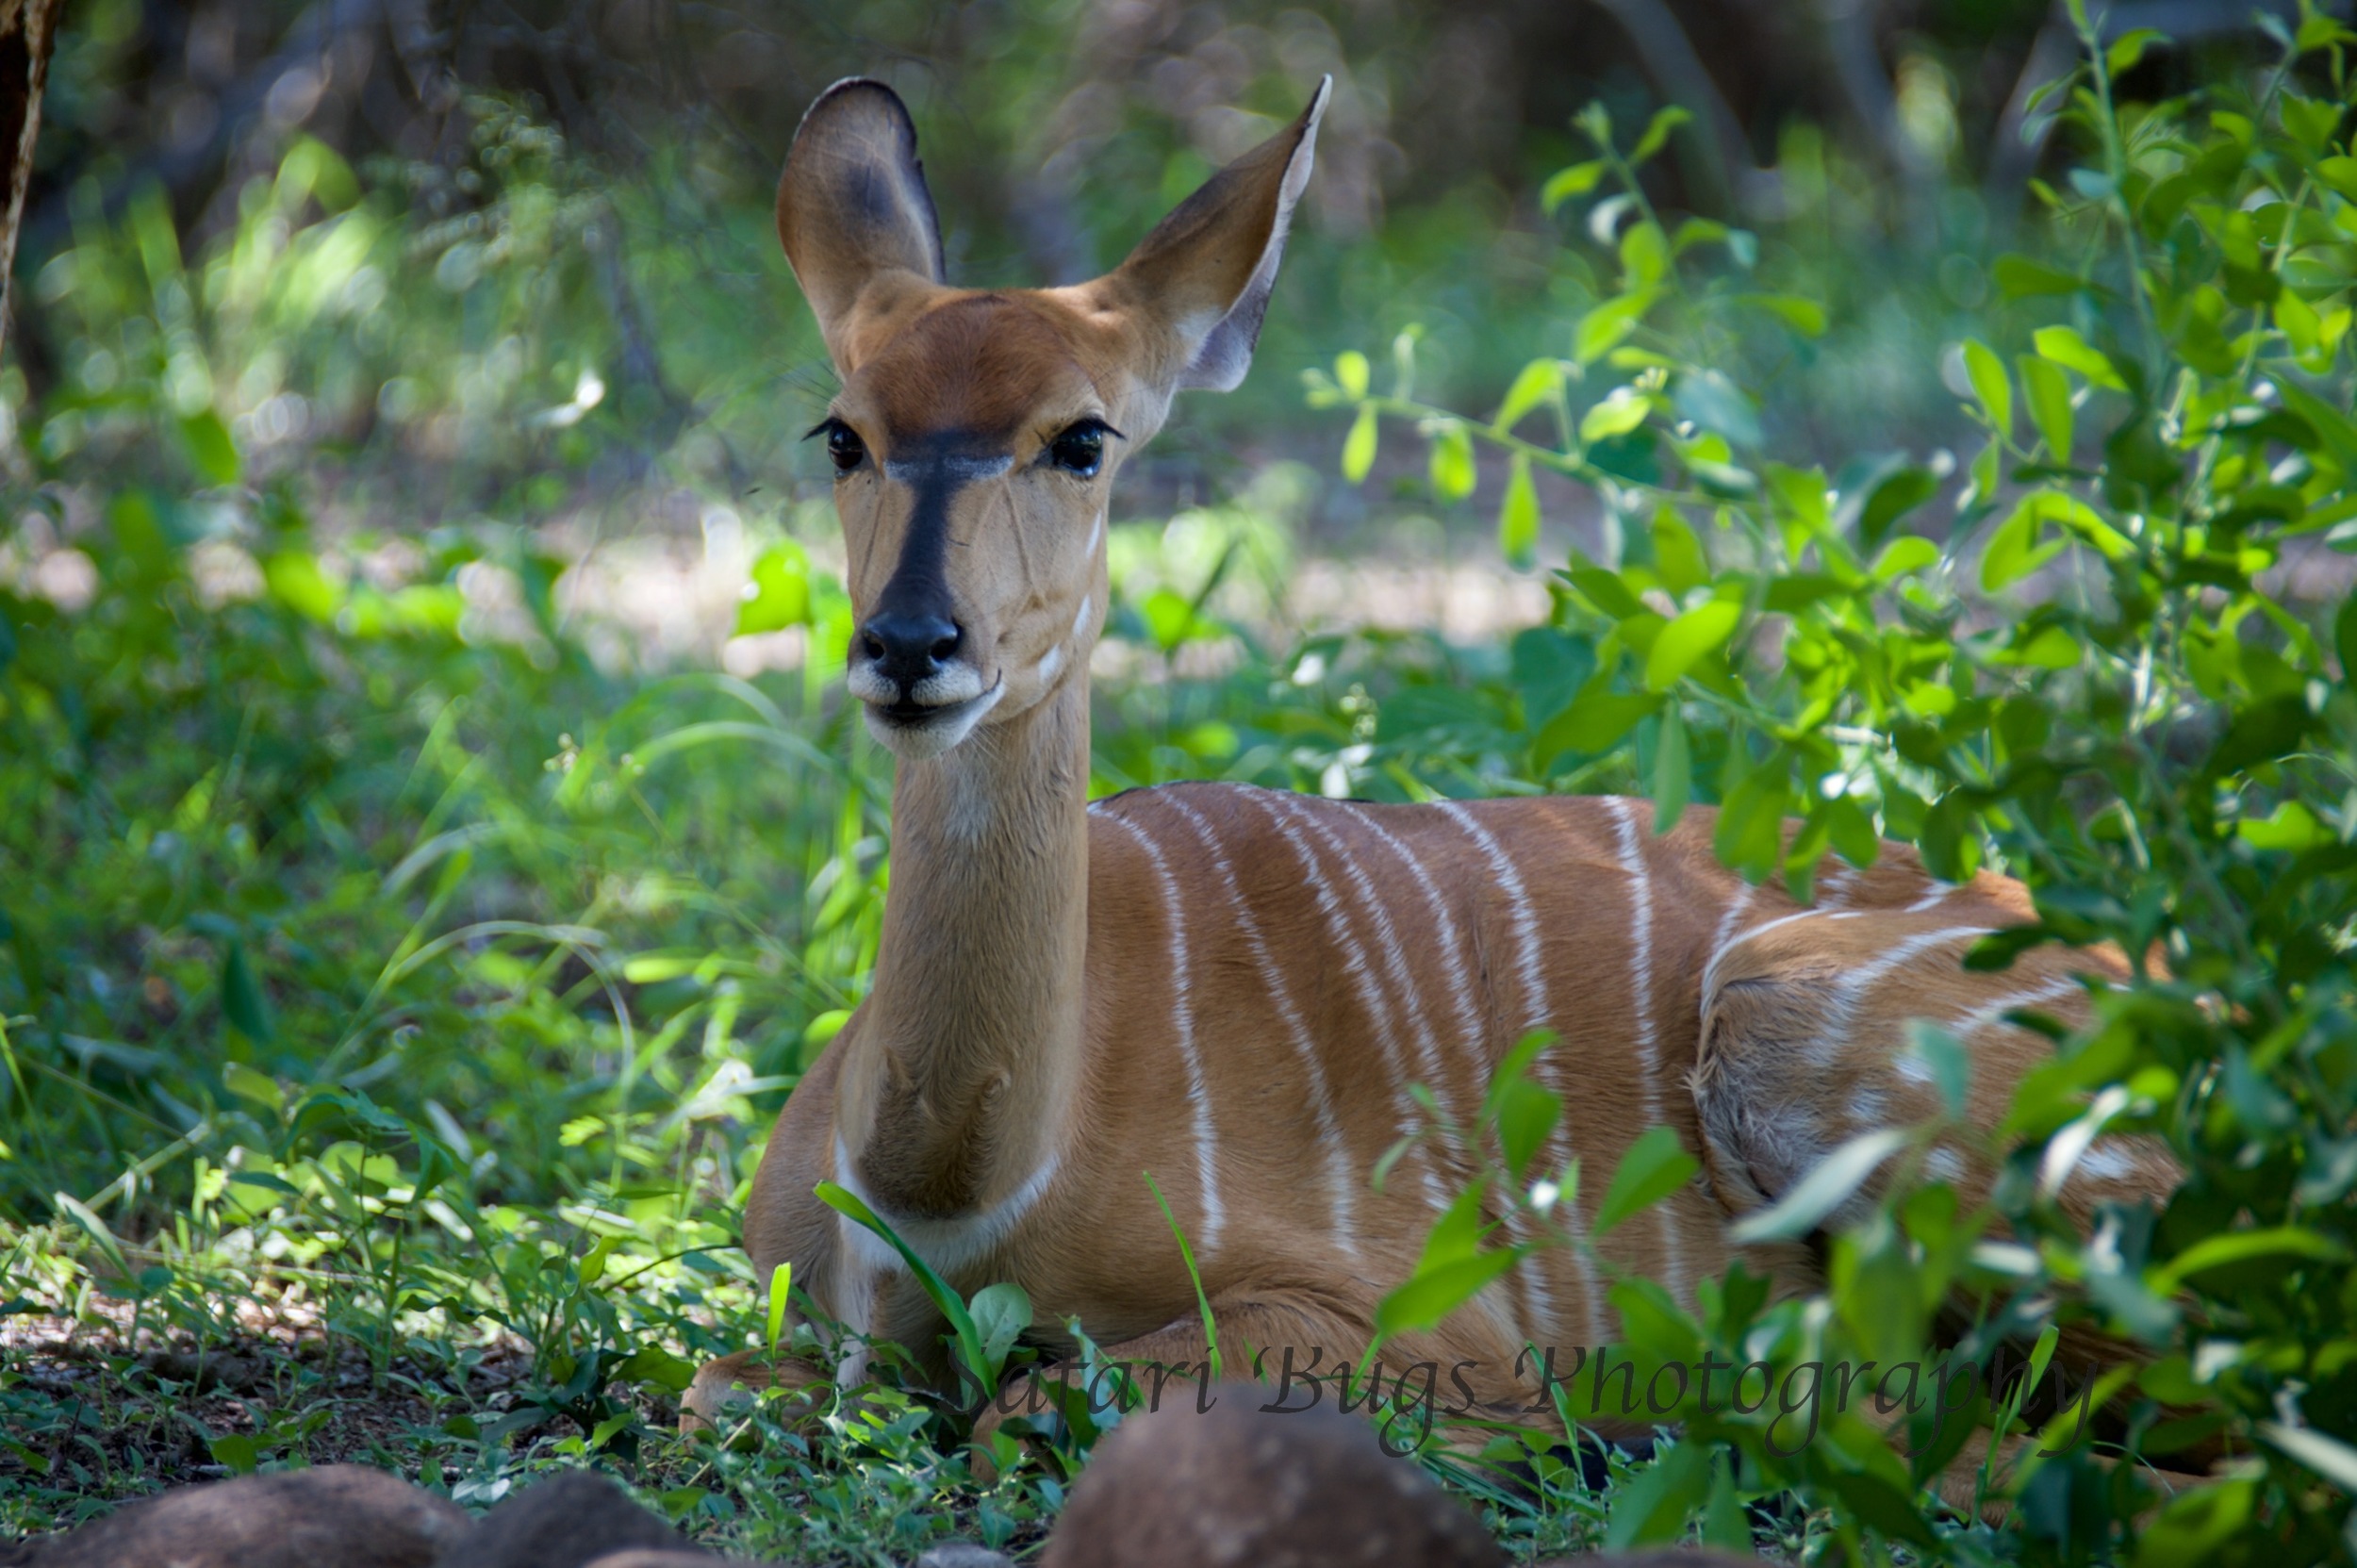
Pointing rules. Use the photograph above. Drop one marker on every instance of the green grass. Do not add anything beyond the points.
(392, 1016)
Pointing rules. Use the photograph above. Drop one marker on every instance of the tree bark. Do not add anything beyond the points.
(28, 30)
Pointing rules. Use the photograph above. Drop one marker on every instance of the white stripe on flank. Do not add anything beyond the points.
(1538, 1013)
(1852, 986)
(1403, 980)
(1362, 980)
(1939, 894)
(1338, 1169)
(1981, 1017)
(1536, 1304)
(1710, 970)
(1182, 1006)
(1640, 990)
(1744, 894)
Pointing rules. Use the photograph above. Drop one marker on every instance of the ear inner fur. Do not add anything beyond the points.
(853, 207)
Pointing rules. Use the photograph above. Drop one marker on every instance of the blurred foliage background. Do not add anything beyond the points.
(431, 839)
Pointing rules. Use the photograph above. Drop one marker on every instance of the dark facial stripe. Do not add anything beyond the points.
(919, 584)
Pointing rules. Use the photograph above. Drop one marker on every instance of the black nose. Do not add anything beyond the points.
(908, 648)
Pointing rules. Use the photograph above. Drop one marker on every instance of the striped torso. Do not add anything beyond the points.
(1277, 985)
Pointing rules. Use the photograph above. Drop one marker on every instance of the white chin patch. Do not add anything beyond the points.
(928, 738)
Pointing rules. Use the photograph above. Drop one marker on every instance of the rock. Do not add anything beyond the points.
(570, 1521)
(1235, 1485)
(334, 1516)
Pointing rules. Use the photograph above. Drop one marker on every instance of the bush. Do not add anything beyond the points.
(2103, 677)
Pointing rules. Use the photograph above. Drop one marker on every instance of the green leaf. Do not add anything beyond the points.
(1593, 725)
(1351, 373)
(778, 595)
(2309, 120)
(1655, 1165)
(1677, 554)
(1608, 324)
(1194, 1274)
(1665, 119)
(1527, 1117)
(1425, 1300)
(652, 1364)
(948, 1302)
(1644, 254)
(1655, 1505)
(210, 447)
(1001, 1312)
(1564, 184)
(1900, 491)
(2020, 277)
(97, 1230)
(1803, 495)
(1617, 414)
(2047, 390)
(2296, 319)
(1518, 514)
(237, 1450)
(1944, 1056)
(1711, 401)
(1359, 446)
(1606, 590)
(2345, 639)
(2190, 1531)
(1533, 385)
(1990, 384)
(295, 579)
(1452, 465)
(1903, 556)
(2292, 828)
(1825, 1188)
(1673, 771)
(2129, 48)
(1686, 641)
(1804, 316)
(780, 1287)
(246, 1083)
(2238, 1246)
(241, 1000)
(2064, 346)
(2015, 549)
(1882, 1507)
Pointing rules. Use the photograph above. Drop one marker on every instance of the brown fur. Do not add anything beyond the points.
(1092, 992)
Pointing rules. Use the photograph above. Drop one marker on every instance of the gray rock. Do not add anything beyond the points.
(568, 1521)
(334, 1516)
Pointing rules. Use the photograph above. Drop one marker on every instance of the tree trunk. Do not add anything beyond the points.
(28, 28)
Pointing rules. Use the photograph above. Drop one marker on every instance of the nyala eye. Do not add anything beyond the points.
(1080, 449)
(844, 447)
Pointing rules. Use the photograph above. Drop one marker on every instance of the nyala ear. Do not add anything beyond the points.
(1204, 275)
(853, 207)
